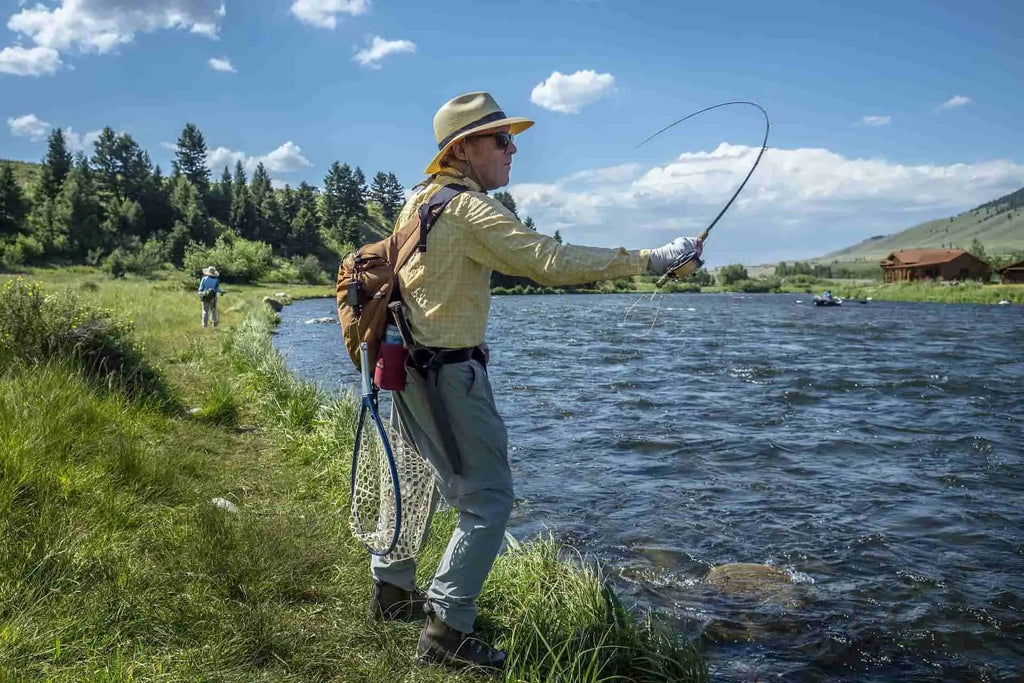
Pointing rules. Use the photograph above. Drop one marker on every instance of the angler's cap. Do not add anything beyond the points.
(467, 115)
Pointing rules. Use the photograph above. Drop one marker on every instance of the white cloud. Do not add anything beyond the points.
(876, 120)
(567, 94)
(221, 65)
(380, 48)
(100, 26)
(80, 142)
(799, 203)
(285, 159)
(322, 13)
(34, 61)
(954, 102)
(32, 127)
(28, 126)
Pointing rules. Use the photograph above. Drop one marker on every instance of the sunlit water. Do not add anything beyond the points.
(874, 452)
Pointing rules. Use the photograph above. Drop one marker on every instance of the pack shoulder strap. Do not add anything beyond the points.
(431, 210)
(424, 219)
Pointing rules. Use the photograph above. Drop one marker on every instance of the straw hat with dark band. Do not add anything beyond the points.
(468, 115)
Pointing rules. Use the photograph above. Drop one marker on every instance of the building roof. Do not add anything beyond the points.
(921, 257)
(1019, 265)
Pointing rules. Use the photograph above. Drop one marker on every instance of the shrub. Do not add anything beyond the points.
(220, 406)
(114, 265)
(732, 273)
(676, 287)
(36, 329)
(300, 269)
(19, 251)
(756, 286)
(237, 259)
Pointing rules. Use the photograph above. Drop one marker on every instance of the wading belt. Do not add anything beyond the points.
(428, 361)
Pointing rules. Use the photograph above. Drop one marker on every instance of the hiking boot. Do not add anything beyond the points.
(388, 602)
(441, 644)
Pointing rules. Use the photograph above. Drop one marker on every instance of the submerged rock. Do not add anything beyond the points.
(746, 579)
(757, 602)
(326, 319)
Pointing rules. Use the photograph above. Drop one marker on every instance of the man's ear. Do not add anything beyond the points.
(458, 150)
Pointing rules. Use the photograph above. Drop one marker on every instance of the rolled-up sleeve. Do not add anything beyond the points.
(497, 240)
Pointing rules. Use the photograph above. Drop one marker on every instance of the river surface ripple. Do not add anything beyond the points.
(874, 452)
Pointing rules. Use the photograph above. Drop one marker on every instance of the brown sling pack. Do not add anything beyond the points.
(368, 277)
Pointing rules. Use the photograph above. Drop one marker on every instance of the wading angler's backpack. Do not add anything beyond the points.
(368, 277)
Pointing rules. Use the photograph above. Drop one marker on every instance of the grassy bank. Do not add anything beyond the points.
(116, 565)
(964, 293)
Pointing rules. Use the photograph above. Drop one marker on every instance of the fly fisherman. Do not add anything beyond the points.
(446, 295)
(209, 289)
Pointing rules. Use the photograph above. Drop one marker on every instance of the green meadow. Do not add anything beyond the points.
(121, 420)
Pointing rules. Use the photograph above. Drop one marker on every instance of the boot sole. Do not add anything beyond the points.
(443, 658)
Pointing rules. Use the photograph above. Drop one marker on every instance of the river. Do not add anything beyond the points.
(873, 452)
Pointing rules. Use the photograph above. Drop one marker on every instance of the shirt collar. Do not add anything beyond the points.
(447, 174)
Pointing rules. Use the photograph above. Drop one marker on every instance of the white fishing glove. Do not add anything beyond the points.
(662, 257)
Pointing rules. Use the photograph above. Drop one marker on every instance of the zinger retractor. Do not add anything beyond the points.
(688, 263)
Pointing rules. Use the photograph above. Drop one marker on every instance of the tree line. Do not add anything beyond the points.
(86, 209)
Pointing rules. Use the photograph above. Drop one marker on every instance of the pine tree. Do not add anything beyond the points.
(388, 193)
(333, 214)
(528, 223)
(156, 205)
(507, 201)
(13, 205)
(105, 162)
(122, 166)
(289, 204)
(219, 201)
(242, 215)
(77, 216)
(189, 213)
(303, 238)
(269, 225)
(56, 165)
(190, 158)
(356, 195)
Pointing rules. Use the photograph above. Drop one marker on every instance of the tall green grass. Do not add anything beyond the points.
(116, 565)
(927, 291)
(553, 611)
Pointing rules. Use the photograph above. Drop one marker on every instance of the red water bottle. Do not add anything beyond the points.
(389, 374)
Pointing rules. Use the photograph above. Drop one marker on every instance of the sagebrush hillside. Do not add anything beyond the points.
(998, 225)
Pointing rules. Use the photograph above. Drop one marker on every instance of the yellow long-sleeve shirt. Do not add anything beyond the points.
(447, 288)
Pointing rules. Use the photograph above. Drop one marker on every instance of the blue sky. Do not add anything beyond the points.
(884, 114)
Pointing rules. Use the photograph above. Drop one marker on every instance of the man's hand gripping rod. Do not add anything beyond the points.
(688, 263)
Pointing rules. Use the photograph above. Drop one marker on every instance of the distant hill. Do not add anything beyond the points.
(25, 172)
(998, 225)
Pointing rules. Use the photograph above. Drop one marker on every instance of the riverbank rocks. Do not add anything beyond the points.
(224, 504)
(274, 304)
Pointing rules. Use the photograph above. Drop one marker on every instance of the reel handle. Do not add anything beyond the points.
(687, 266)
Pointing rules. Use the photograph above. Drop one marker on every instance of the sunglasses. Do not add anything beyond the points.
(502, 140)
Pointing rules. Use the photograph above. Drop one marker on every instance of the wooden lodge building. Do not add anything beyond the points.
(1012, 274)
(929, 264)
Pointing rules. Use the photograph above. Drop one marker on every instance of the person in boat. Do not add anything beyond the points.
(827, 295)
(446, 295)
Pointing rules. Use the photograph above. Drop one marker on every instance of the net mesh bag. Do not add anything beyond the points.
(373, 508)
